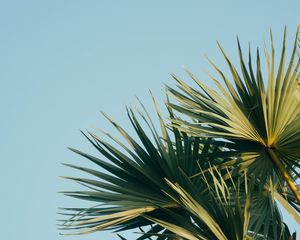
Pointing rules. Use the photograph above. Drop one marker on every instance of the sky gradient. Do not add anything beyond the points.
(61, 62)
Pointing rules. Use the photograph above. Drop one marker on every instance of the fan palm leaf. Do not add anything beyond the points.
(134, 182)
(228, 211)
(259, 121)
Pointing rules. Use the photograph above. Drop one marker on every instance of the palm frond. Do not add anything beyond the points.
(135, 180)
(260, 124)
(230, 210)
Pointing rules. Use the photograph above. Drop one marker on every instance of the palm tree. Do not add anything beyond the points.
(214, 177)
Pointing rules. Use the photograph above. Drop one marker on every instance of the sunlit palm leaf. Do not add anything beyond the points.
(260, 123)
(225, 213)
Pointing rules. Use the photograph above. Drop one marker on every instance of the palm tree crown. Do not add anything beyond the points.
(214, 175)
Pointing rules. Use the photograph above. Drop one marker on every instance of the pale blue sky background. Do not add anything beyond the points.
(61, 62)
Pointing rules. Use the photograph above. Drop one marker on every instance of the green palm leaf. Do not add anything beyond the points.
(261, 124)
(134, 183)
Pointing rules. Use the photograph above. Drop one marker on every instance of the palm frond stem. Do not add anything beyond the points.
(284, 173)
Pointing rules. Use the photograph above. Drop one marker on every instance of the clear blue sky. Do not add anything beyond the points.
(61, 62)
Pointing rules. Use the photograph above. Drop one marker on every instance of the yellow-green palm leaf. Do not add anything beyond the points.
(257, 114)
(229, 211)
